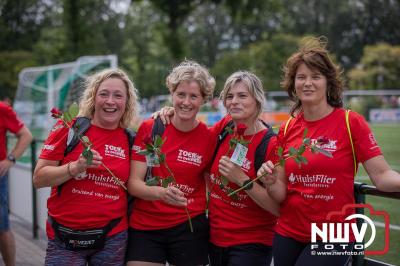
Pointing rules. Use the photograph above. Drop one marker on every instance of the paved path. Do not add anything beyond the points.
(30, 252)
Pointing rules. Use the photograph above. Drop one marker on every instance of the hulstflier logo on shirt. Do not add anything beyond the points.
(317, 180)
(189, 157)
(114, 151)
(101, 180)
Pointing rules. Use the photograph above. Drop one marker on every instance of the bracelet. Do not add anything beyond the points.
(69, 169)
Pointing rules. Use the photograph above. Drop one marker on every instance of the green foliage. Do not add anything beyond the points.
(265, 59)
(11, 63)
(379, 68)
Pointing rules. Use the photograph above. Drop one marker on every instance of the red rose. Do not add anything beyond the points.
(240, 129)
(147, 140)
(55, 113)
(322, 140)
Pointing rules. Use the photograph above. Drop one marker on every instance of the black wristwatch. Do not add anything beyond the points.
(11, 158)
(248, 186)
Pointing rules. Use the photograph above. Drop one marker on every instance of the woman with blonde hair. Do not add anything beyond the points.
(159, 228)
(87, 208)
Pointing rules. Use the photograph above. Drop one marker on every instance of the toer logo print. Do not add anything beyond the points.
(114, 151)
(189, 157)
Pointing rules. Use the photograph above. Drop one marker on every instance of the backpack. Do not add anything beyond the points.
(261, 148)
(82, 125)
(159, 128)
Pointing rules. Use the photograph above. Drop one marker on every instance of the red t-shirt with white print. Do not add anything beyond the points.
(187, 155)
(96, 199)
(235, 222)
(324, 184)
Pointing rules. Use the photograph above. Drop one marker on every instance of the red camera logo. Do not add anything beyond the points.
(340, 232)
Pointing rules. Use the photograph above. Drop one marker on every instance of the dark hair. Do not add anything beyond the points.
(314, 54)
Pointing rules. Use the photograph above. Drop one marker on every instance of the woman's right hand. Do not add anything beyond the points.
(173, 196)
(266, 171)
(81, 164)
(166, 113)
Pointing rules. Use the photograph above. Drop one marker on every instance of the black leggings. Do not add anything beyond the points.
(246, 254)
(288, 252)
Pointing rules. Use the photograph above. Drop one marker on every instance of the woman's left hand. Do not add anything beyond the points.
(231, 171)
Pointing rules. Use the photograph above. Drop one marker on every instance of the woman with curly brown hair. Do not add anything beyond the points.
(308, 194)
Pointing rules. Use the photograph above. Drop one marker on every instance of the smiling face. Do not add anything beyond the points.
(187, 100)
(110, 103)
(240, 104)
(310, 86)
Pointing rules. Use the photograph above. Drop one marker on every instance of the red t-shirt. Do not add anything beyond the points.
(187, 155)
(323, 184)
(235, 222)
(8, 122)
(97, 199)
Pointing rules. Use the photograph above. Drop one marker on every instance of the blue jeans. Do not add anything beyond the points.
(113, 253)
(4, 222)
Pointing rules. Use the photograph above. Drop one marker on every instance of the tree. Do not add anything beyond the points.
(379, 68)
(11, 63)
(21, 22)
(143, 53)
(265, 59)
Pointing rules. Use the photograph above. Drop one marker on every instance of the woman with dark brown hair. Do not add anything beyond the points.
(310, 194)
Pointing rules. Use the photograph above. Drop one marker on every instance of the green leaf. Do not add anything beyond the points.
(161, 157)
(292, 151)
(149, 148)
(229, 130)
(67, 117)
(280, 151)
(158, 141)
(306, 141)
(244, 142)
(297, 160)
(86, 140)
(303, 159)
(154, 181)
(305, 132)
(144, 152)
(282, 162)
(166, 181)
(232, 142)
(224, 180)
(314, 149)
(73, 110)
(88, 154)
(301, 150)
(324, 152)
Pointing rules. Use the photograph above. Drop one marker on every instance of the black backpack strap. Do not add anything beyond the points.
(131, 134)
(81, 125)
(263, 146)
(221, 136)
(158, 128)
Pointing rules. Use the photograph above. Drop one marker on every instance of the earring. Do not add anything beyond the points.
(328, 95)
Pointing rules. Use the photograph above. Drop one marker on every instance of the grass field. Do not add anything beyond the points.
(388, 138)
